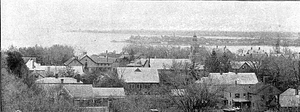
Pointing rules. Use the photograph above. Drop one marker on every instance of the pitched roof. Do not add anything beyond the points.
(261, 86)
(80, 91)
(27, 58)
(32, 65)
(99, 59)
(164, 63)
(290, 92)
(88, 91)
(71, 60)
(289, 98)
(108, 92)
(230, 78)
(138, 75)
(67, 80)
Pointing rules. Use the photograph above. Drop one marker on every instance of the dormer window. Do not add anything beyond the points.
(137, 70)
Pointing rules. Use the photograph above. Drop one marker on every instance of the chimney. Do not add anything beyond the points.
(56, 75)
(106, 56)
(62, 81)
(221, 72)
(235, 82)
(84, 53)
(236, 71)
(78, 78)
(296, 91)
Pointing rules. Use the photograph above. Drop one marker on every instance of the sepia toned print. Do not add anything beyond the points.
(149, 56)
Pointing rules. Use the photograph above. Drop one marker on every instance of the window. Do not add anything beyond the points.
(244, 94)
(237, 95)
(229, 94)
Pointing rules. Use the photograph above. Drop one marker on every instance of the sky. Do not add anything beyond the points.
(23, 19)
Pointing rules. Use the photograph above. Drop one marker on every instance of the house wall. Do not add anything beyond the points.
(231, 95)
(260, 100)
(89, 61)
(245, 68)
(138, 87)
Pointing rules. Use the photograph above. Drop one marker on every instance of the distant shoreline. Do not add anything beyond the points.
(252, 34)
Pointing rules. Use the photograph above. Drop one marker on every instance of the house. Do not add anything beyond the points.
(93, 63)
(264, 96)
(236, 95)
(90, 98)
(241, 66)
(73, 62)
(229, 78)
(290, 99)
(138, 78)
(53, 85)
(35, 67)
(164, 63)
(27, 58)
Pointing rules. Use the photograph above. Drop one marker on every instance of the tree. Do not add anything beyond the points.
(18, 96)
(16, 64)
(212, 64)
(110, 80)
(181, 91)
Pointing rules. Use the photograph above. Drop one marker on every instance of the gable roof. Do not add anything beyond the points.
(71, 60)
(89, 92)
(132, 75)
(99, 59)
(289, 92)
(108, 92)
(67, 80)
(239, 64)
(32, 65)
(289, 98)
(164, 63)
(27, 58)
(257, 88)
(230, 78)
(80, 91)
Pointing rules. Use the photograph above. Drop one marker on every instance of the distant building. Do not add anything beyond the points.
(166, 64)
(195, 55)
(236, 95)
(27, 58)
(93, 63)
(138, 79)
(90, 98)
(242, 66)
(230, 78)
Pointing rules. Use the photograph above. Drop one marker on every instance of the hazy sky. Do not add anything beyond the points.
(32, 18)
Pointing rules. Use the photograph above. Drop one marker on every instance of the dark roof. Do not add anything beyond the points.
(27, 58)
(99, 59)
(261, 86)
(72, 59)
